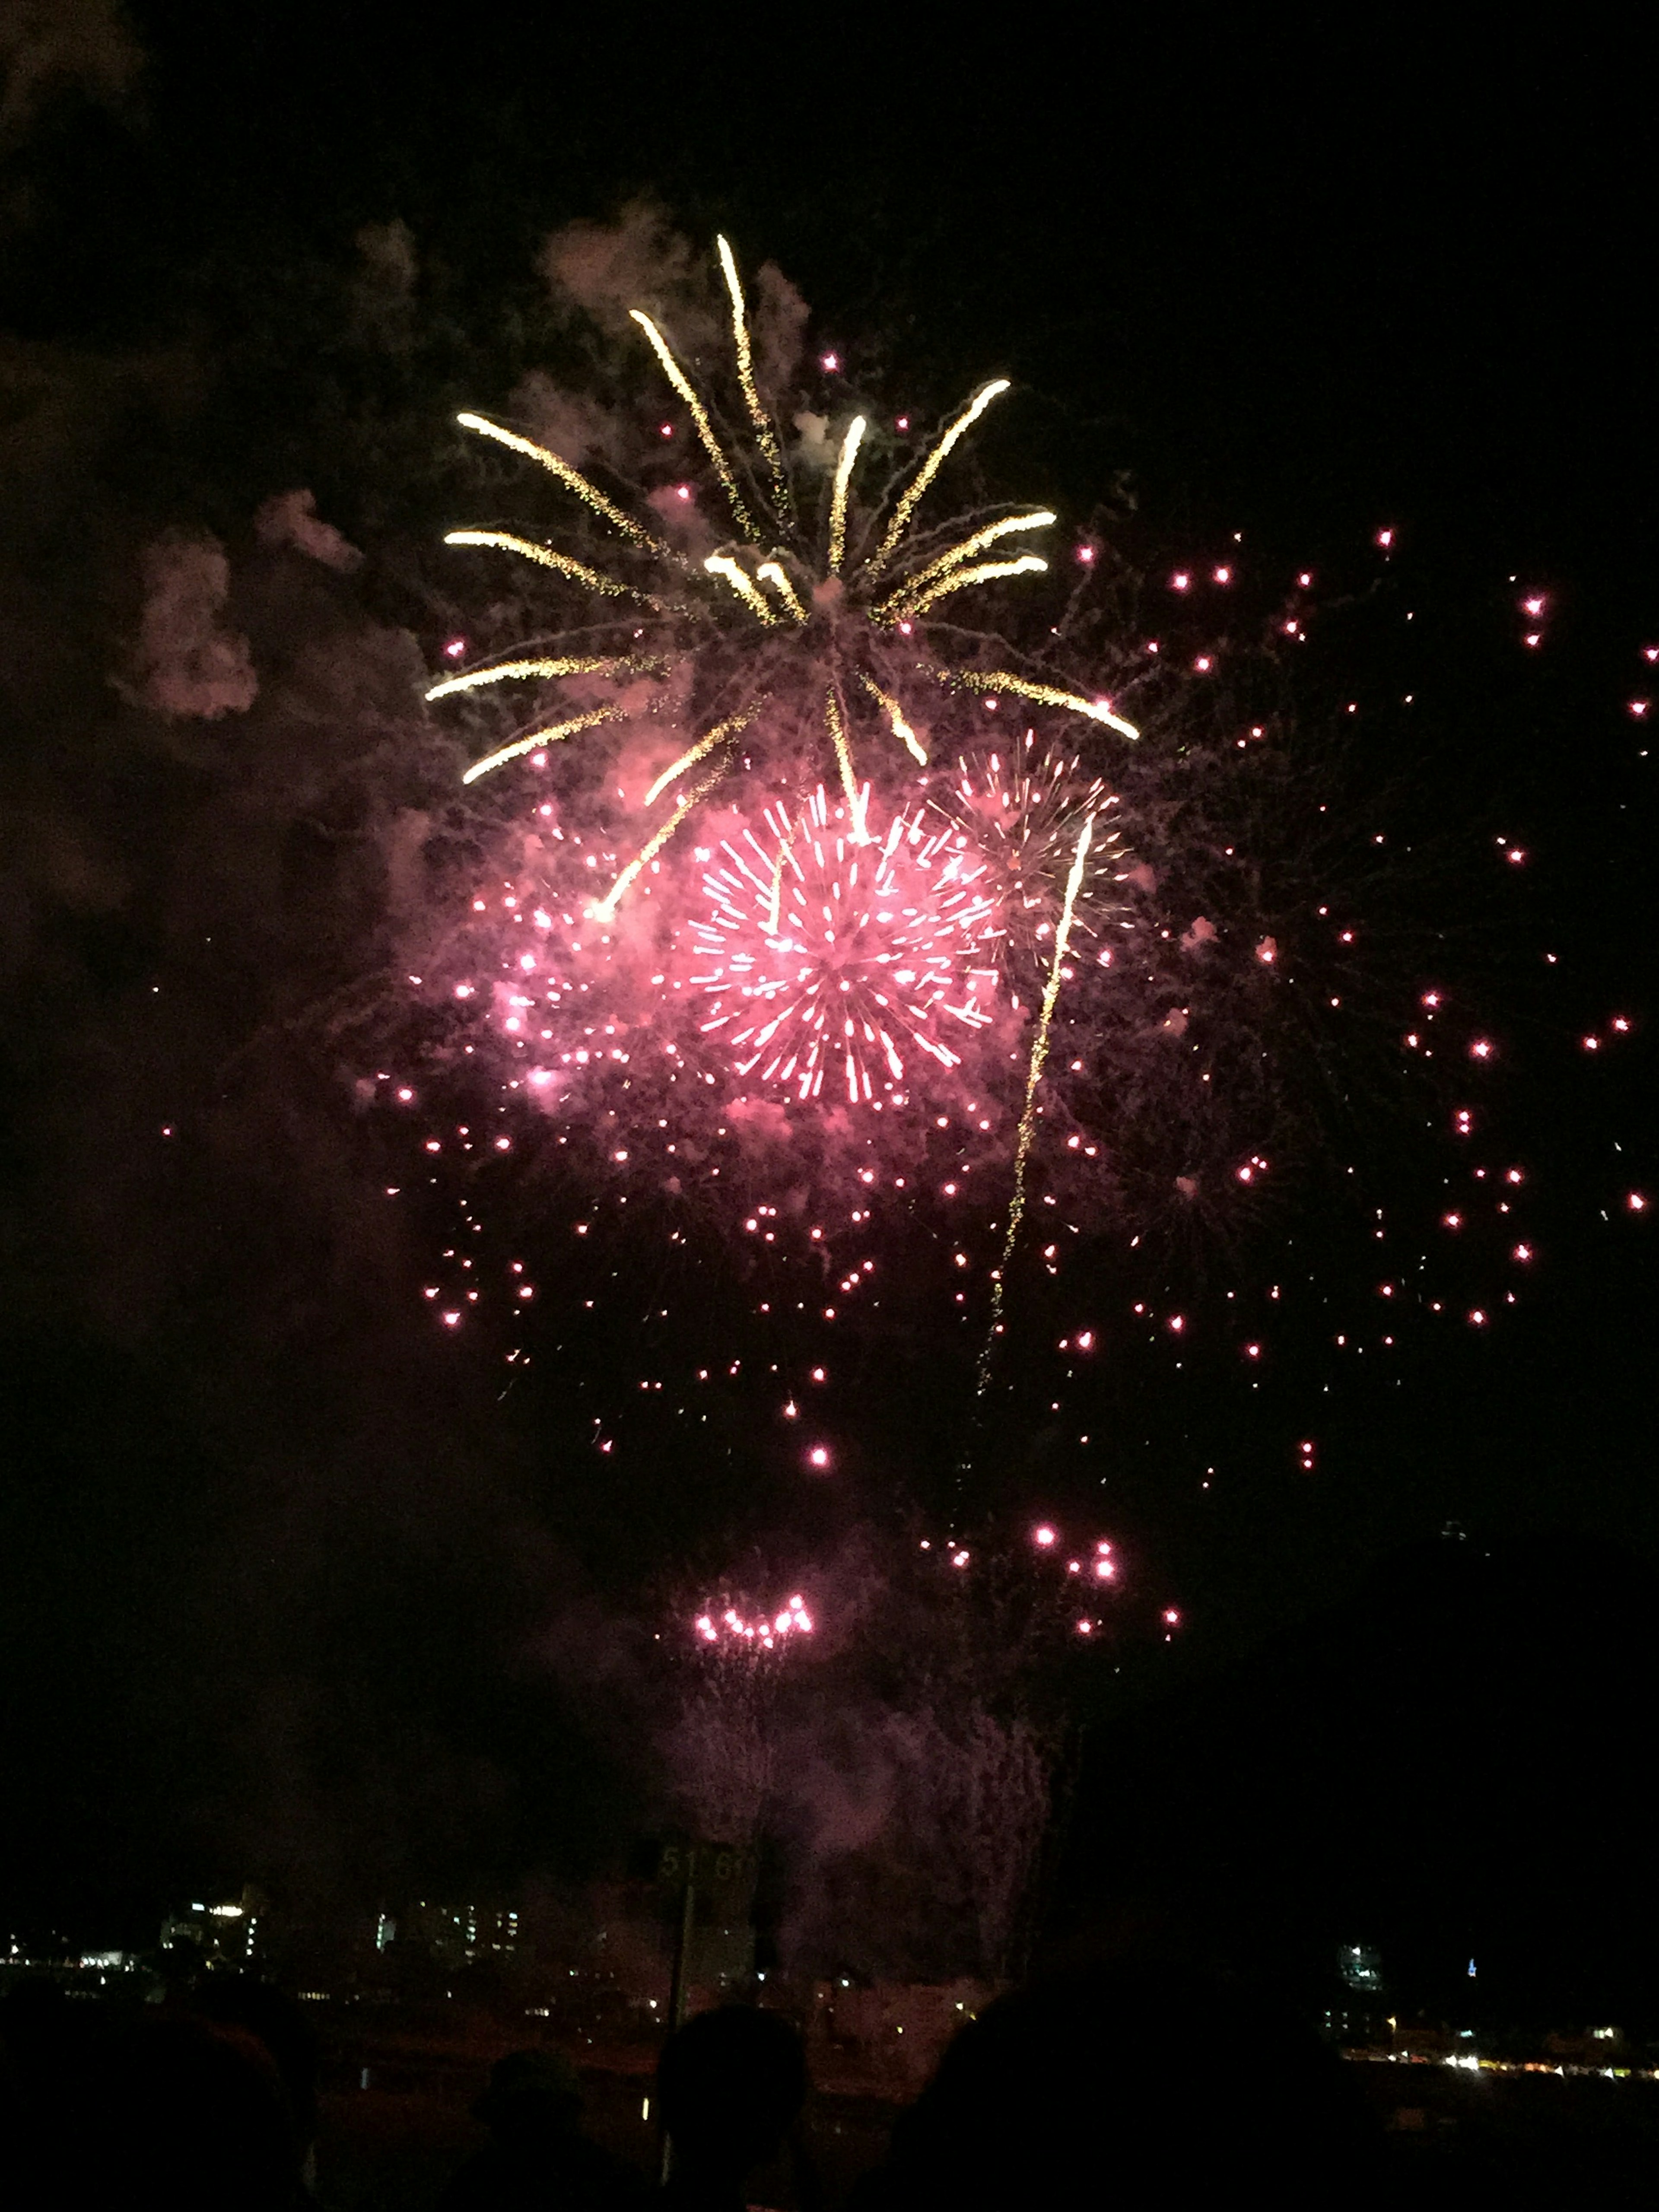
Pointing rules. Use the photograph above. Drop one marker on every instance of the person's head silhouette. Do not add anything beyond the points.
(729, 2085)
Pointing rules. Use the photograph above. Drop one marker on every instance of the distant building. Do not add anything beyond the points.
(226, 1935)
(1360, 1968)
(454, 1934)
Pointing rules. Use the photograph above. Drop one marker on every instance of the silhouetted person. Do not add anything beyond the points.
(241, 2000)
(176, 2114)
(539, 2162)
(730, 2087)
(49, 2050)
(1129, 2086)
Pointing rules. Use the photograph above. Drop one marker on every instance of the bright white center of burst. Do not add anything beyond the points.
(830, 962)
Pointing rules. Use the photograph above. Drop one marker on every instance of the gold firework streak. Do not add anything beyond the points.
(1047, 695)
(833, 715)
(849, 448)
(895, 714)
(573, 479)
(548, 558)
(507, 670)
(765, 436)
(774, 912)
(551, 736)
(705, 744)
(681, 384)
(604, 909)
(773, 572)
(897, 603)
(931, 467)
(1033, 1078)
(983, 572)
(722, 564)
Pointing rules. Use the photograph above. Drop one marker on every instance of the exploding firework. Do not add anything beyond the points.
(1014, 825)
(794, 625)
(832, 954)
(945, 993)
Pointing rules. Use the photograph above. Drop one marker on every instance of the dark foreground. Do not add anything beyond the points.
(395, 2126)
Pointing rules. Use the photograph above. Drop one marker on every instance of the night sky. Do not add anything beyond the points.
(289, 1585)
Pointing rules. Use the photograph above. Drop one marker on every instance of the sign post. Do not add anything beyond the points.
(694, 1872)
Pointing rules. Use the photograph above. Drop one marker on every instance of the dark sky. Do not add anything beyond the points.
(282, 1585)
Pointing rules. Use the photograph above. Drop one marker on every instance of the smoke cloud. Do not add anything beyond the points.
(188, 662)
(291, 518)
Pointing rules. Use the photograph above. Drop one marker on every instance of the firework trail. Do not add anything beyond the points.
(1033, 1078)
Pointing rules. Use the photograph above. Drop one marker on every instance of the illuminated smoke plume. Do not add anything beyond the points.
(895, 1732)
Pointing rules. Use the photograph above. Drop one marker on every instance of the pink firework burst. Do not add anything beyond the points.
(1013, 821)
(832, 954)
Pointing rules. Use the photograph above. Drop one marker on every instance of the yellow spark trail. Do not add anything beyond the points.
(984, 572)
(774, 911)
(931, 467)
(765, 435)
(548, 558)
(722, 564)
(897, 603)
(849, 448)
(718, 735)
(505, 671)
(1034, 1076)
(604, 909)
(773, 573)
(681, 384)
(573, 479)
(895, 714)
(844, 756)
(1046, 695)
(551, 736)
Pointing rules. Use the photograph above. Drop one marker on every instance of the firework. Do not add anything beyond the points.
(831, 956)
(725, 1626)
(820, 919)
(1015, 823)
(824, 610)
(1034, 1077)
